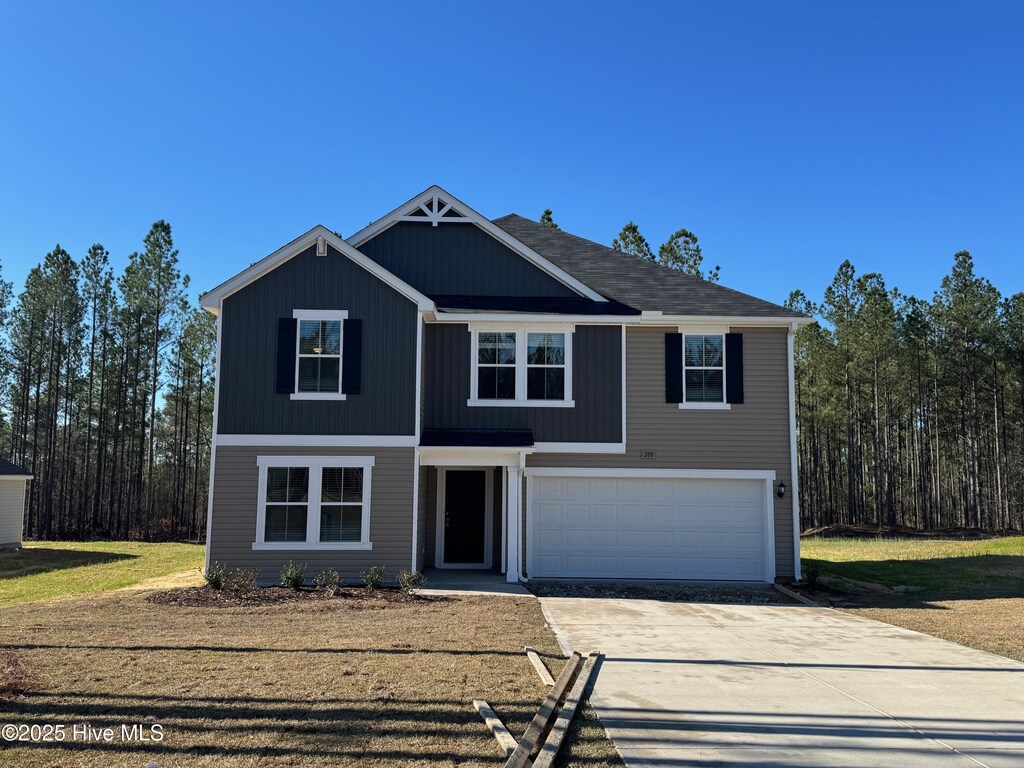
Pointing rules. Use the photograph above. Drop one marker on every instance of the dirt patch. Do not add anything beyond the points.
(15, 676)
(309, 681)
(355, 597)
(672, 593)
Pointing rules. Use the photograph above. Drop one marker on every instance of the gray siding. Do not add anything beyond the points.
(235, 489)
(12, 510)
(597, 388)
(248, 401)
(458, 259)
(752, 436)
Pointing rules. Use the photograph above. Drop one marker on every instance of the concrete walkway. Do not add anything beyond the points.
(746, 685)
(454, 581)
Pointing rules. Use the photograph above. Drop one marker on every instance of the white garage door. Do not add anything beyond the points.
(648, 528)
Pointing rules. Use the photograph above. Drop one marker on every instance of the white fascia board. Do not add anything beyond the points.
(326, 441)
(694, 474)
(725, 320)
(471, 456)
(579, 447)
(15, 477)
(485, 224)
(512, 318)
(210, 301)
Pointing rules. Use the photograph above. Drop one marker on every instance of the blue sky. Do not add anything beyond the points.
(788, 136)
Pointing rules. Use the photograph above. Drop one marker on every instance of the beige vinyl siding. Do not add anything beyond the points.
(12, 510)
(753, 436)
(235, 500)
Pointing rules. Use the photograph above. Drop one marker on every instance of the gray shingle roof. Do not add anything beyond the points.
(636, 282)
(6, 468)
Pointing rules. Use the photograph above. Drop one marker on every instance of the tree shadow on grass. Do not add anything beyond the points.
(919, 583)
(37, 560)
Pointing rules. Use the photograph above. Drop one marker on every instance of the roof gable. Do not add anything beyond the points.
(435, 206)
(319, 236)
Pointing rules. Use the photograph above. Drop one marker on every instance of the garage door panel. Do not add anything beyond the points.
(677, 528)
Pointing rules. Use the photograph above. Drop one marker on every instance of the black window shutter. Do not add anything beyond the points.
(352, 358)
(734, 368)
(673, 367)
(286, 352)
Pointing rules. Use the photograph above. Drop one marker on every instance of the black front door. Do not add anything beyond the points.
(464, 510)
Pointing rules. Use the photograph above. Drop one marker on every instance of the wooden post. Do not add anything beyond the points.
(548, 752)
(534, 657)
(542, 720)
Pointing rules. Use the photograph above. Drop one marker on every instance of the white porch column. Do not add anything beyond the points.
(514, 504)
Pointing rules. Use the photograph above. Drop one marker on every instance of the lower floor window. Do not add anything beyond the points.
(321, 502)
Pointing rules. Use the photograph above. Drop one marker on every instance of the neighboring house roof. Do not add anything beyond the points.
(7, 469)
(637, 282)
(319, 234)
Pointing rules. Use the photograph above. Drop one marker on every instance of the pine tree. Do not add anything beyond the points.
(682, 251)
(631, 242)
(547, 220)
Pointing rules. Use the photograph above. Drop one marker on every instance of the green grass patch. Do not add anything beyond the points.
(48, 569)
(929, 567)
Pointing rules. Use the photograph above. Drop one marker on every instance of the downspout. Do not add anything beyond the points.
(791, 377)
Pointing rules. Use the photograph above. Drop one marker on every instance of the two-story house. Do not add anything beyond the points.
(443, 390)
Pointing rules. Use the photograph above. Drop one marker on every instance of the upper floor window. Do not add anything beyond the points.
(704, 368)
(313, 502)
(318, 354)
(522, 367)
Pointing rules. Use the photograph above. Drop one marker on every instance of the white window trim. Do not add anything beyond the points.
(315, 464)
(697, 330)
(520, 331)
(339, 315)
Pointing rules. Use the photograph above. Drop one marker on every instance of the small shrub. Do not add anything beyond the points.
(215, 575)
(329, 581)
(374, 576)
(411, 582)
(242, 581)
(292, 575)
(812, 577)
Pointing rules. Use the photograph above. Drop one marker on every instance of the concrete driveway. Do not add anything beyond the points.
(754, 685)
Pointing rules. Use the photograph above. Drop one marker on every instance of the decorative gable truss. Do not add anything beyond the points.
(436, 209)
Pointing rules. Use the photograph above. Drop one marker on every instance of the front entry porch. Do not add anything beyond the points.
(473, 498)
(454, 581)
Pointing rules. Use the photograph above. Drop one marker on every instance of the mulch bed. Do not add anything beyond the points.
(205, 597)
(673, 593)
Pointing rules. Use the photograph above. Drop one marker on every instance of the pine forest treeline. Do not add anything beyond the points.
(911, 411)
(107, 395)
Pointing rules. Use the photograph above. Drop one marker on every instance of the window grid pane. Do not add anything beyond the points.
(704, 368)
(545, 366)
(319, 356)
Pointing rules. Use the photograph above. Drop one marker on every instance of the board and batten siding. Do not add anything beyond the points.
(458, 260)
(12, 510)
(235, 501)
(752, 436)
(596, 383)
(249, 403)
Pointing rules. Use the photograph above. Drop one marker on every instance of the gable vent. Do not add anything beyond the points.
(321, 246)
(435, 210)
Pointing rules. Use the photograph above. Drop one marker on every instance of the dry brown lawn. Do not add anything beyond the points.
(322, 682)
(970, 592)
